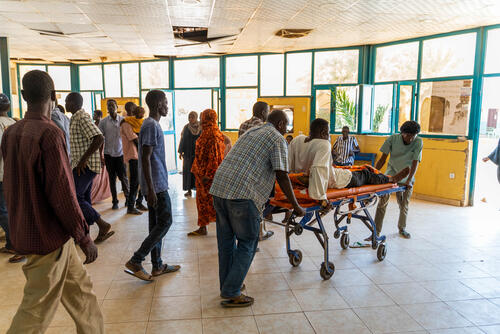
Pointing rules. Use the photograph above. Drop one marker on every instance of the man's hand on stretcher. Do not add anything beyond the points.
(286, 187)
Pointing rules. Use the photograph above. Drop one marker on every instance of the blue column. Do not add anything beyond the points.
(4, 68)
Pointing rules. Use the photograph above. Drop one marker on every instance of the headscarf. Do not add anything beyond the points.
(209, 147)
(135, 122)
(194, 128)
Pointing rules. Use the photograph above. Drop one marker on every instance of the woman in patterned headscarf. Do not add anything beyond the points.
(208, 156)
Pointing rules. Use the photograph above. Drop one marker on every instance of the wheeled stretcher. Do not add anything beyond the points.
(346, 204)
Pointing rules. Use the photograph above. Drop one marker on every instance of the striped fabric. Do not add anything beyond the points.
(343, 147)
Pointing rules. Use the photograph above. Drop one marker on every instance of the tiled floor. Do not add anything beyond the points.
(445, 280)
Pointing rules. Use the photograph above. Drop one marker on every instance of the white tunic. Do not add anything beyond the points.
(314, 158)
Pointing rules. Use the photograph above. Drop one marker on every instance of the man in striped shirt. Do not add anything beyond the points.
(344, 149)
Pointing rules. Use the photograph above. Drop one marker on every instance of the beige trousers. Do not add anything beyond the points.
(58, 276)
(403, 199)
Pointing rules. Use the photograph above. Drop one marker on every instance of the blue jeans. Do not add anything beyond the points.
(160, 220)
(236, 220)
(83, 185)
(4, 218)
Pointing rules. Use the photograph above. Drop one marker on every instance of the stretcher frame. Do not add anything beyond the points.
(315, 214)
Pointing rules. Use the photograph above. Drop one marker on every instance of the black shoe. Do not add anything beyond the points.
(141, 207)
(115, 206)
(134, 211)
(404, 234)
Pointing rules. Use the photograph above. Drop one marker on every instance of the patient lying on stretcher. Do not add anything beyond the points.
(312, 156)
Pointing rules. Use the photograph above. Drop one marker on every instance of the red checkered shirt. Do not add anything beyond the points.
(39, 187)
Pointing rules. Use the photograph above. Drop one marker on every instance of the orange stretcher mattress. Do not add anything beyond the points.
(304, 200)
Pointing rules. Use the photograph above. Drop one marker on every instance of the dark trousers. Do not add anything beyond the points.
(133, 198)
(160, 220)
(116, 167)
(237, 220)
(4, 218)
(83, 185)
(365, 177)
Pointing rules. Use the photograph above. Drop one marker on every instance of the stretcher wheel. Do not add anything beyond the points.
(295, 257)
(381, 252)
(325, 274)
(344, 241)
(336, 234)
(374, 244)
(298, 229)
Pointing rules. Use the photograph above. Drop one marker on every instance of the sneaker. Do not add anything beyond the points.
(134, 211)
(115, 206)
(141, 207)
(404, 234)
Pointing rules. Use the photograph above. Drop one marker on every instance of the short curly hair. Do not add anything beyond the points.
(410, 127)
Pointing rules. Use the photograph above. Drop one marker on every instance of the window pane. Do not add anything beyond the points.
(492, 62)
(405, 101)
(445, 107)
(241, 71)
(154, 74)
(61, 76)
(167, 123)
(272, 75)
(336, 67)
(61, 98)
(396, 62)
(130, 77)
(367, 107)
(239, 103)
(382, 109)
(23, 69)
(449, 56)
(345, 108)
(112, 84)
(196, 73)
(87, 102)
(323, 104)
(90, 77)
(298, 73)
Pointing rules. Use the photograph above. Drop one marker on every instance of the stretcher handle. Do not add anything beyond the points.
(373, 200)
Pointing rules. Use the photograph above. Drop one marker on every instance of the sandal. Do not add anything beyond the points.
(197, 233)
(165, 269)
(104, 237)
(138, 271)
(266, 236)
(240, 301)
(17, 258)
(5, 250)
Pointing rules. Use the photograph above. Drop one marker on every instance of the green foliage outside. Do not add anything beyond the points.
(345, 110)
(378, 117)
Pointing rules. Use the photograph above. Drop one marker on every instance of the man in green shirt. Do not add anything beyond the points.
(405, 150)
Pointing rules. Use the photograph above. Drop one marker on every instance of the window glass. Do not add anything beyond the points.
(87, 102)
(396, 62)
(298, 73)
(239, 103)
(346, 108)
(112, 85)
(23, 69)
(61, 76)
(90, 77)
(492, 62)
(382, 108)
(405, 101)
(154, 74)
(367, 107)
(241, 71)
(336, 67)
(445, 107)
(272, 75)
(130, 78)
(449, 56)
(323, 103)
(196, 73)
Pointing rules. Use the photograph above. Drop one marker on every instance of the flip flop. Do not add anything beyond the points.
(196, 234)
(358, 244)
(240, 301)
(17, 258)
(266, 236)
(140, 274)
(166, 269)
(101, 238)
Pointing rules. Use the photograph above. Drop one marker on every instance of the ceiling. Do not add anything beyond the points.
(136, 29)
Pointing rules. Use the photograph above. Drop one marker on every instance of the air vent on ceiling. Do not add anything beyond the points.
(293, 33)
